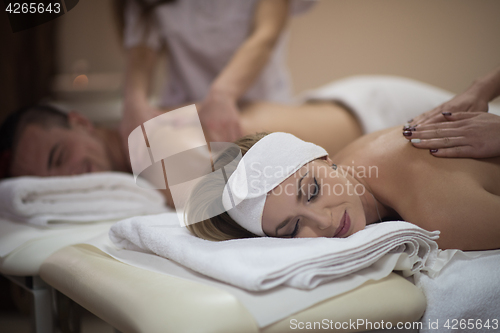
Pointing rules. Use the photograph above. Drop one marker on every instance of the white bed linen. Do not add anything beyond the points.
(448, 295)
(23, 248)
(466, 289)
(266, 307)
(13, 234)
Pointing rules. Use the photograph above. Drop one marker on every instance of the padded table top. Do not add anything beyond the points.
(137, 300)
(26, 247)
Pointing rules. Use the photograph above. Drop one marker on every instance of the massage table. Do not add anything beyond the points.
(132, 299)
(42, 215)
(20, 263)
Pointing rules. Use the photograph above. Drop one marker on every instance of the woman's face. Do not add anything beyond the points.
(316, 201)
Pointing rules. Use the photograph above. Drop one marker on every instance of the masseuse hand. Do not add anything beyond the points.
(469, 100)
(464, 134)
(220, 118)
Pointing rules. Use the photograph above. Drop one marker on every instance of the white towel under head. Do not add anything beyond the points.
(266, 164)
(82, 198)
(263, 263)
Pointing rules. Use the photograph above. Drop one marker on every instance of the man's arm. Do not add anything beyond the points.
(218, 112)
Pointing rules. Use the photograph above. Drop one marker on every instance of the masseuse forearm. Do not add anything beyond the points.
(488, 86)
(140, 64)
(253, 54)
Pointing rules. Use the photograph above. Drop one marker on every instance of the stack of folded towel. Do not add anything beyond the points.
(75, 199)
(264, 263)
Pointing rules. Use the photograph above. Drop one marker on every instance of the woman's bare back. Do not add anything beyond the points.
(459, 197)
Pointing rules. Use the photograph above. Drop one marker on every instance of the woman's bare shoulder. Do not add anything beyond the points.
(368, 146)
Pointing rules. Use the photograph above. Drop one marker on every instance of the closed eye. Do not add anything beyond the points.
(316, 190)
(295, 230)
(60, 158)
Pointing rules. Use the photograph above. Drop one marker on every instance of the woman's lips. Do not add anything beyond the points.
(345, 225)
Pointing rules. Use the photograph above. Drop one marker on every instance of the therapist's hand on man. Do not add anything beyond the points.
(219, 117)
(218, 111)
(134, 116)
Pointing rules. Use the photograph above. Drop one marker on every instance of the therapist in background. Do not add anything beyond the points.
(220, 53)
(461, 127)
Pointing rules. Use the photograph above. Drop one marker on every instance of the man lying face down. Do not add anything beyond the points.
(43, 141)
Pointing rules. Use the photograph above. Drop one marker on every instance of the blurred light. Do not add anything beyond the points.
(81, 82)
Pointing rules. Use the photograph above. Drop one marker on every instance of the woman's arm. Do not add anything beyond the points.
(218, 112)
(456, 129)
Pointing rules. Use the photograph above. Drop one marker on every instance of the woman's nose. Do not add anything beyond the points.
(324, 222)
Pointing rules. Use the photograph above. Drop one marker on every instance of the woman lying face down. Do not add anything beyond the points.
(379, 176)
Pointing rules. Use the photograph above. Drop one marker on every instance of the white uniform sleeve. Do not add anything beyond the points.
(298, 7)
(136, 32)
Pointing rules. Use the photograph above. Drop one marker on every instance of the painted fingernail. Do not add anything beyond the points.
(433, 150)
(446, 113)
(406, 128)
(415, 140)
(407, 133)
(409, 121)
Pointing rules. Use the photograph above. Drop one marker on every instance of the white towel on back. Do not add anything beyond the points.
(381, 101)
(76, 199)
(264, 263)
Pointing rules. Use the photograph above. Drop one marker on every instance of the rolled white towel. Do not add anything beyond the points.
(82, 198)
(264, 263)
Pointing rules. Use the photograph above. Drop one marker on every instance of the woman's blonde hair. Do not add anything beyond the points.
(206, 197)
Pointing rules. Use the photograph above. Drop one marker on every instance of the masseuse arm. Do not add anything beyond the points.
(218, 111)
(140, 62)
(454, 130)
(474, 99)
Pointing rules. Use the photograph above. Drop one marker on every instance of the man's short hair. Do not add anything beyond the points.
(14, 125)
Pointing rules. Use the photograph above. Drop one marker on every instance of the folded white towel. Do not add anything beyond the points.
(82, 198)
(265, 263)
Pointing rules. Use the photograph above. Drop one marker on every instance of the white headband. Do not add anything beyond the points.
(267, 164)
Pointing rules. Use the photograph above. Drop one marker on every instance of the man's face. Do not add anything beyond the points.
(59, 151)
